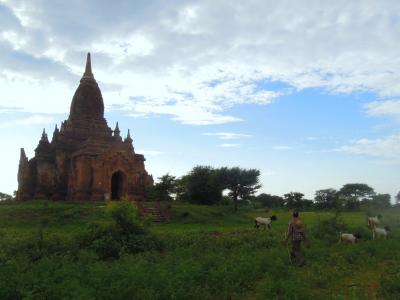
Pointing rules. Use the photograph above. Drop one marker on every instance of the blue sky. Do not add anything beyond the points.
(305, 91)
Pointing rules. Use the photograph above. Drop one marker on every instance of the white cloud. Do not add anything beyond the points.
(133, 45)
(28, 121)
(282, 147)
(229, 145)
(387, 148)
(150, 152)
(228, 135)
(193, 60)
(28, 94)
(267, 172)
(385, 108)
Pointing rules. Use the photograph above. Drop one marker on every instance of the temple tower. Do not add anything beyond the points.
(85, 159)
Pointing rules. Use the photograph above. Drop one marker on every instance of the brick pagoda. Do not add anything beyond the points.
(85, 159)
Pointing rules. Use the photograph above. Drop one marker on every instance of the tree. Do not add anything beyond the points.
(293, 200)
(326, 199)
(166, 186)
(4, 197)
(357, 190)
(351, 203)
(381, 200)
(181, 189)
(241, 183)
(352, 193)
(307, 204)
(201, 186)
(398, 198)
(270, 201)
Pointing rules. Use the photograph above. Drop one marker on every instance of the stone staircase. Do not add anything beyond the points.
(154, 211)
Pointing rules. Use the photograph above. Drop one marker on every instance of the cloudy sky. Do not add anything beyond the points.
(306, 91)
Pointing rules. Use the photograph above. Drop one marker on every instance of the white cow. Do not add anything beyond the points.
(380, 232)
(349, 238)
(373, 221)
(264, 221)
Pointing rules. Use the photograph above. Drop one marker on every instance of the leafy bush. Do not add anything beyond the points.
(363, 232)
(119, 232)
(328, 230)
(36, 245)
(390, 283)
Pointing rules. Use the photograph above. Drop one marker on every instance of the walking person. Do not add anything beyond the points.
(296, 234)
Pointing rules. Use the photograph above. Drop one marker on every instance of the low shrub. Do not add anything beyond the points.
(363, 232)
(328, 230)
(37, 245)
(390, 283)
(121, 231)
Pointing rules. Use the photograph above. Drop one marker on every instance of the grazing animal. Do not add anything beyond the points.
(349, 238)
(264, 221)
(380, 232)
(373, 222)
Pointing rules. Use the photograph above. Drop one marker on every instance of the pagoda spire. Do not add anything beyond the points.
(55, 133)
(43, 146)
(116, 130)
(44, 136)
(88, 69)
(23, 170)
(22, 157)
(128, 138)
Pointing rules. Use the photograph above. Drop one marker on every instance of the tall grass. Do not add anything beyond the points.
(205, 253)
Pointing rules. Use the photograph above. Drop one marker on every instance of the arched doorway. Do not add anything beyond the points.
(117, 185)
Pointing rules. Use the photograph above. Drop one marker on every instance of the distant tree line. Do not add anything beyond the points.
(4, 197)
(352, 196)
(208, 186)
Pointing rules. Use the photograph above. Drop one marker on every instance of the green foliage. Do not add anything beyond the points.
(351, 203)
(356, 190)
(225, 201)
(207, 253)
(55, 214)
(381, 201)
(241, 183)
(202, 186)
(125, 217)
(5, 197)
(294, 200)
(371, 206)
(352, 193)
(390, 283)
(328, 230)
(164, 189)
(212, 216)
(120, 232)
(326, 199)
(269, 201)
(38, 245)
(307, 204)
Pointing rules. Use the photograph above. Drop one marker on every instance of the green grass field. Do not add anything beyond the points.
(205, 253)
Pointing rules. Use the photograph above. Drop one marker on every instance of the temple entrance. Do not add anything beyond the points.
(117, 184)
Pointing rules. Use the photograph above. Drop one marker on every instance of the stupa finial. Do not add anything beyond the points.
(88, 69)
